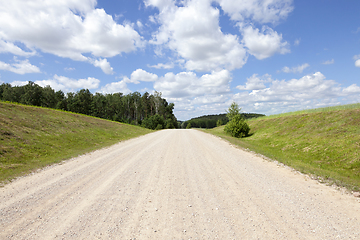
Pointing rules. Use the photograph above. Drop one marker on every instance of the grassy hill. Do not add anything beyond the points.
(33, 137)
(323, 142)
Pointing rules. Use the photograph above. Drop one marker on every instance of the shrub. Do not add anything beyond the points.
(237, 127)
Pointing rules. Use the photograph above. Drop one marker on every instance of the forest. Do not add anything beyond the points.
(147, 110)
(211, 121)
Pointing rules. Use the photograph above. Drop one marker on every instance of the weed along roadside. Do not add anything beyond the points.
(33, 137)
(324, 143)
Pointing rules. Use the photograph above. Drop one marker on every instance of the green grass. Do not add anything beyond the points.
(33, 137)
(321, 142)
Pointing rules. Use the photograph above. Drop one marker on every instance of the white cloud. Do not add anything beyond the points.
(66, 84)
(261, 11)
(357, 63)
(163, 66)
(9, 47)
(195, 95)
(264, 44)
(310, 91)
(210, 93)
(115, 87)
(298, 69)
(255, 83)
(21, 67)
(104, 65)
(68, 28)
(141, 75)
(187, 84)
(193, 32)
(357, 60)
(19, 83)
(329, 62)
(352, 89)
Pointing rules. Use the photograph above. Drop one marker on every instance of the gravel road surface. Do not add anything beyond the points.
(174, 184)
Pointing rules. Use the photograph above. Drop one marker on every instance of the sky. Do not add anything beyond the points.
(269, 56)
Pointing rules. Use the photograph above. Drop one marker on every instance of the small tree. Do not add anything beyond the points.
(233, 111)
(236, 127)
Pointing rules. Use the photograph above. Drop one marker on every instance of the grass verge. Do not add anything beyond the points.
(33, 137)
(322, 142)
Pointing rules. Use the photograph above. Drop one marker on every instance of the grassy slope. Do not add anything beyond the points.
(31, 138)
(323, 142)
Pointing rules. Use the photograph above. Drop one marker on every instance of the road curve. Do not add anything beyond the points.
(174, 184)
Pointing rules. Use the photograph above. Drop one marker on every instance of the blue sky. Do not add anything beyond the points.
(269, 56)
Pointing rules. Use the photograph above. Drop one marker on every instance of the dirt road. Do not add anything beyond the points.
(174, 184)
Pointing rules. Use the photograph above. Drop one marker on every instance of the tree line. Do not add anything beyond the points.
(211, 121)
(147, 110)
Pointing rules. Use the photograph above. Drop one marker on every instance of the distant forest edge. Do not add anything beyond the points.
(147, 110)
(211, 121)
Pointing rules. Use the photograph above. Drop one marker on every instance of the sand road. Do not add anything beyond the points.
(174, 184)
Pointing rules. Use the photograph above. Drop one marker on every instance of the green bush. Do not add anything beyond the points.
(154, 122)
(237, 127)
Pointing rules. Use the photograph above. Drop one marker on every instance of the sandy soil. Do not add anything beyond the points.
(174, 184)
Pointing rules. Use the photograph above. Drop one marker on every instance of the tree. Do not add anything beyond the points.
(233, 111)
(154, 122)
(48, 97)
(32, 94)
(81, 102)
(61, 100)
(236, 127)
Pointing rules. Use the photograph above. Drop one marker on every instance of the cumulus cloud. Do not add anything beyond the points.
(66, 28)
(140, 75)
(357, 60)
(195, 95)
(255, 83)
(9, 47)
(20, 67)
(104, 65)
(352, 89)
(265, 43)
(66, 84)
(310, 91)
(357, 63)
(163, 66)
(115, 87)
(261, 11)
(193, 32)
(298, 69)
(137, 76)
(188, 84)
